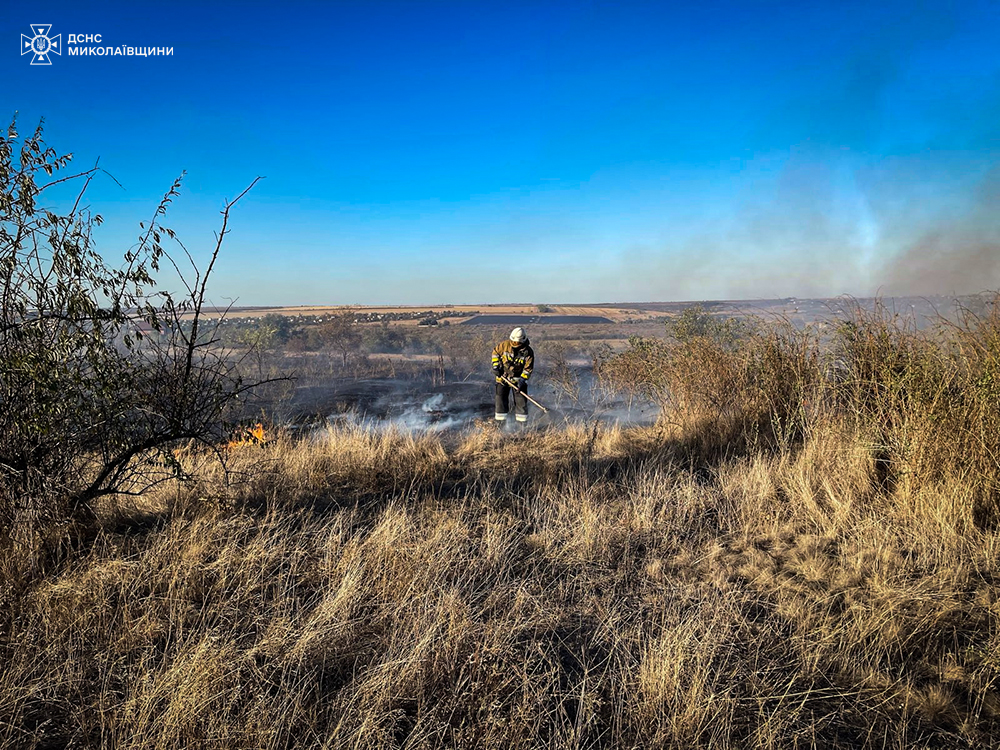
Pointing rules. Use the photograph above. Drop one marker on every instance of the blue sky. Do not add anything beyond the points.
(424, 153)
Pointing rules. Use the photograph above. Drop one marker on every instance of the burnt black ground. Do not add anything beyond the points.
(419, 405)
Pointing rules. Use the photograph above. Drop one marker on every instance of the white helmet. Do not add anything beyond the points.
(518, 336)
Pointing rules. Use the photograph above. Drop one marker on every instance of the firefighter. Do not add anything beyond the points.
(513, 360)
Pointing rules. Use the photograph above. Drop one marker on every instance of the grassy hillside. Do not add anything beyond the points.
(803, 553)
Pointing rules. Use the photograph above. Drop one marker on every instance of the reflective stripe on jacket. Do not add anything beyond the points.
(513, 362)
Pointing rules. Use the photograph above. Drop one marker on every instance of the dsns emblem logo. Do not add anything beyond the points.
(42, 44)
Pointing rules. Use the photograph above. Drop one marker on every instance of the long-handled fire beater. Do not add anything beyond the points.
(504, 379)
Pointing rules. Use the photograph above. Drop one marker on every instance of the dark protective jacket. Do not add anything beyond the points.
(513, 362)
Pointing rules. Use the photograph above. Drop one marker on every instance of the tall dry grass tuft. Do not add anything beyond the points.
(927, 404)
(728, 391)
(924, 401)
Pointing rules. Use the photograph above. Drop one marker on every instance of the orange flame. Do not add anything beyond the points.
(248, 436)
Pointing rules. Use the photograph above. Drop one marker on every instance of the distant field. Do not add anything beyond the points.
(611, 314)
(798, 310)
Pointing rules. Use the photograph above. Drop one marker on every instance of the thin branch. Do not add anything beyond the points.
(200, 300)
(75, 176)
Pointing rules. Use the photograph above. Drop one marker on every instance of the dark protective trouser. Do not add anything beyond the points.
(503, 403)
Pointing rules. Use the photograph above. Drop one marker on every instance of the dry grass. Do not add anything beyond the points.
(675, 586)
(567, 589)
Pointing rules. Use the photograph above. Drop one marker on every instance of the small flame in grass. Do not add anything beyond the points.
(251, 435)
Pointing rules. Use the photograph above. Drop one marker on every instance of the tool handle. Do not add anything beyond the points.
(512, 384)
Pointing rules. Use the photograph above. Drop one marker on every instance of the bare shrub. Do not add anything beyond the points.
(100, 371)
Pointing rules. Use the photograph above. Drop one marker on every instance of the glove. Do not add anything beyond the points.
(519, 384)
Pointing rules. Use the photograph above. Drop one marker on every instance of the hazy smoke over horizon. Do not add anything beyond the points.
(897, 194)
(957, 254)
(826, 232)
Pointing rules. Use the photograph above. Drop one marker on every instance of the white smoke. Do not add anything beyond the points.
(440, 412)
